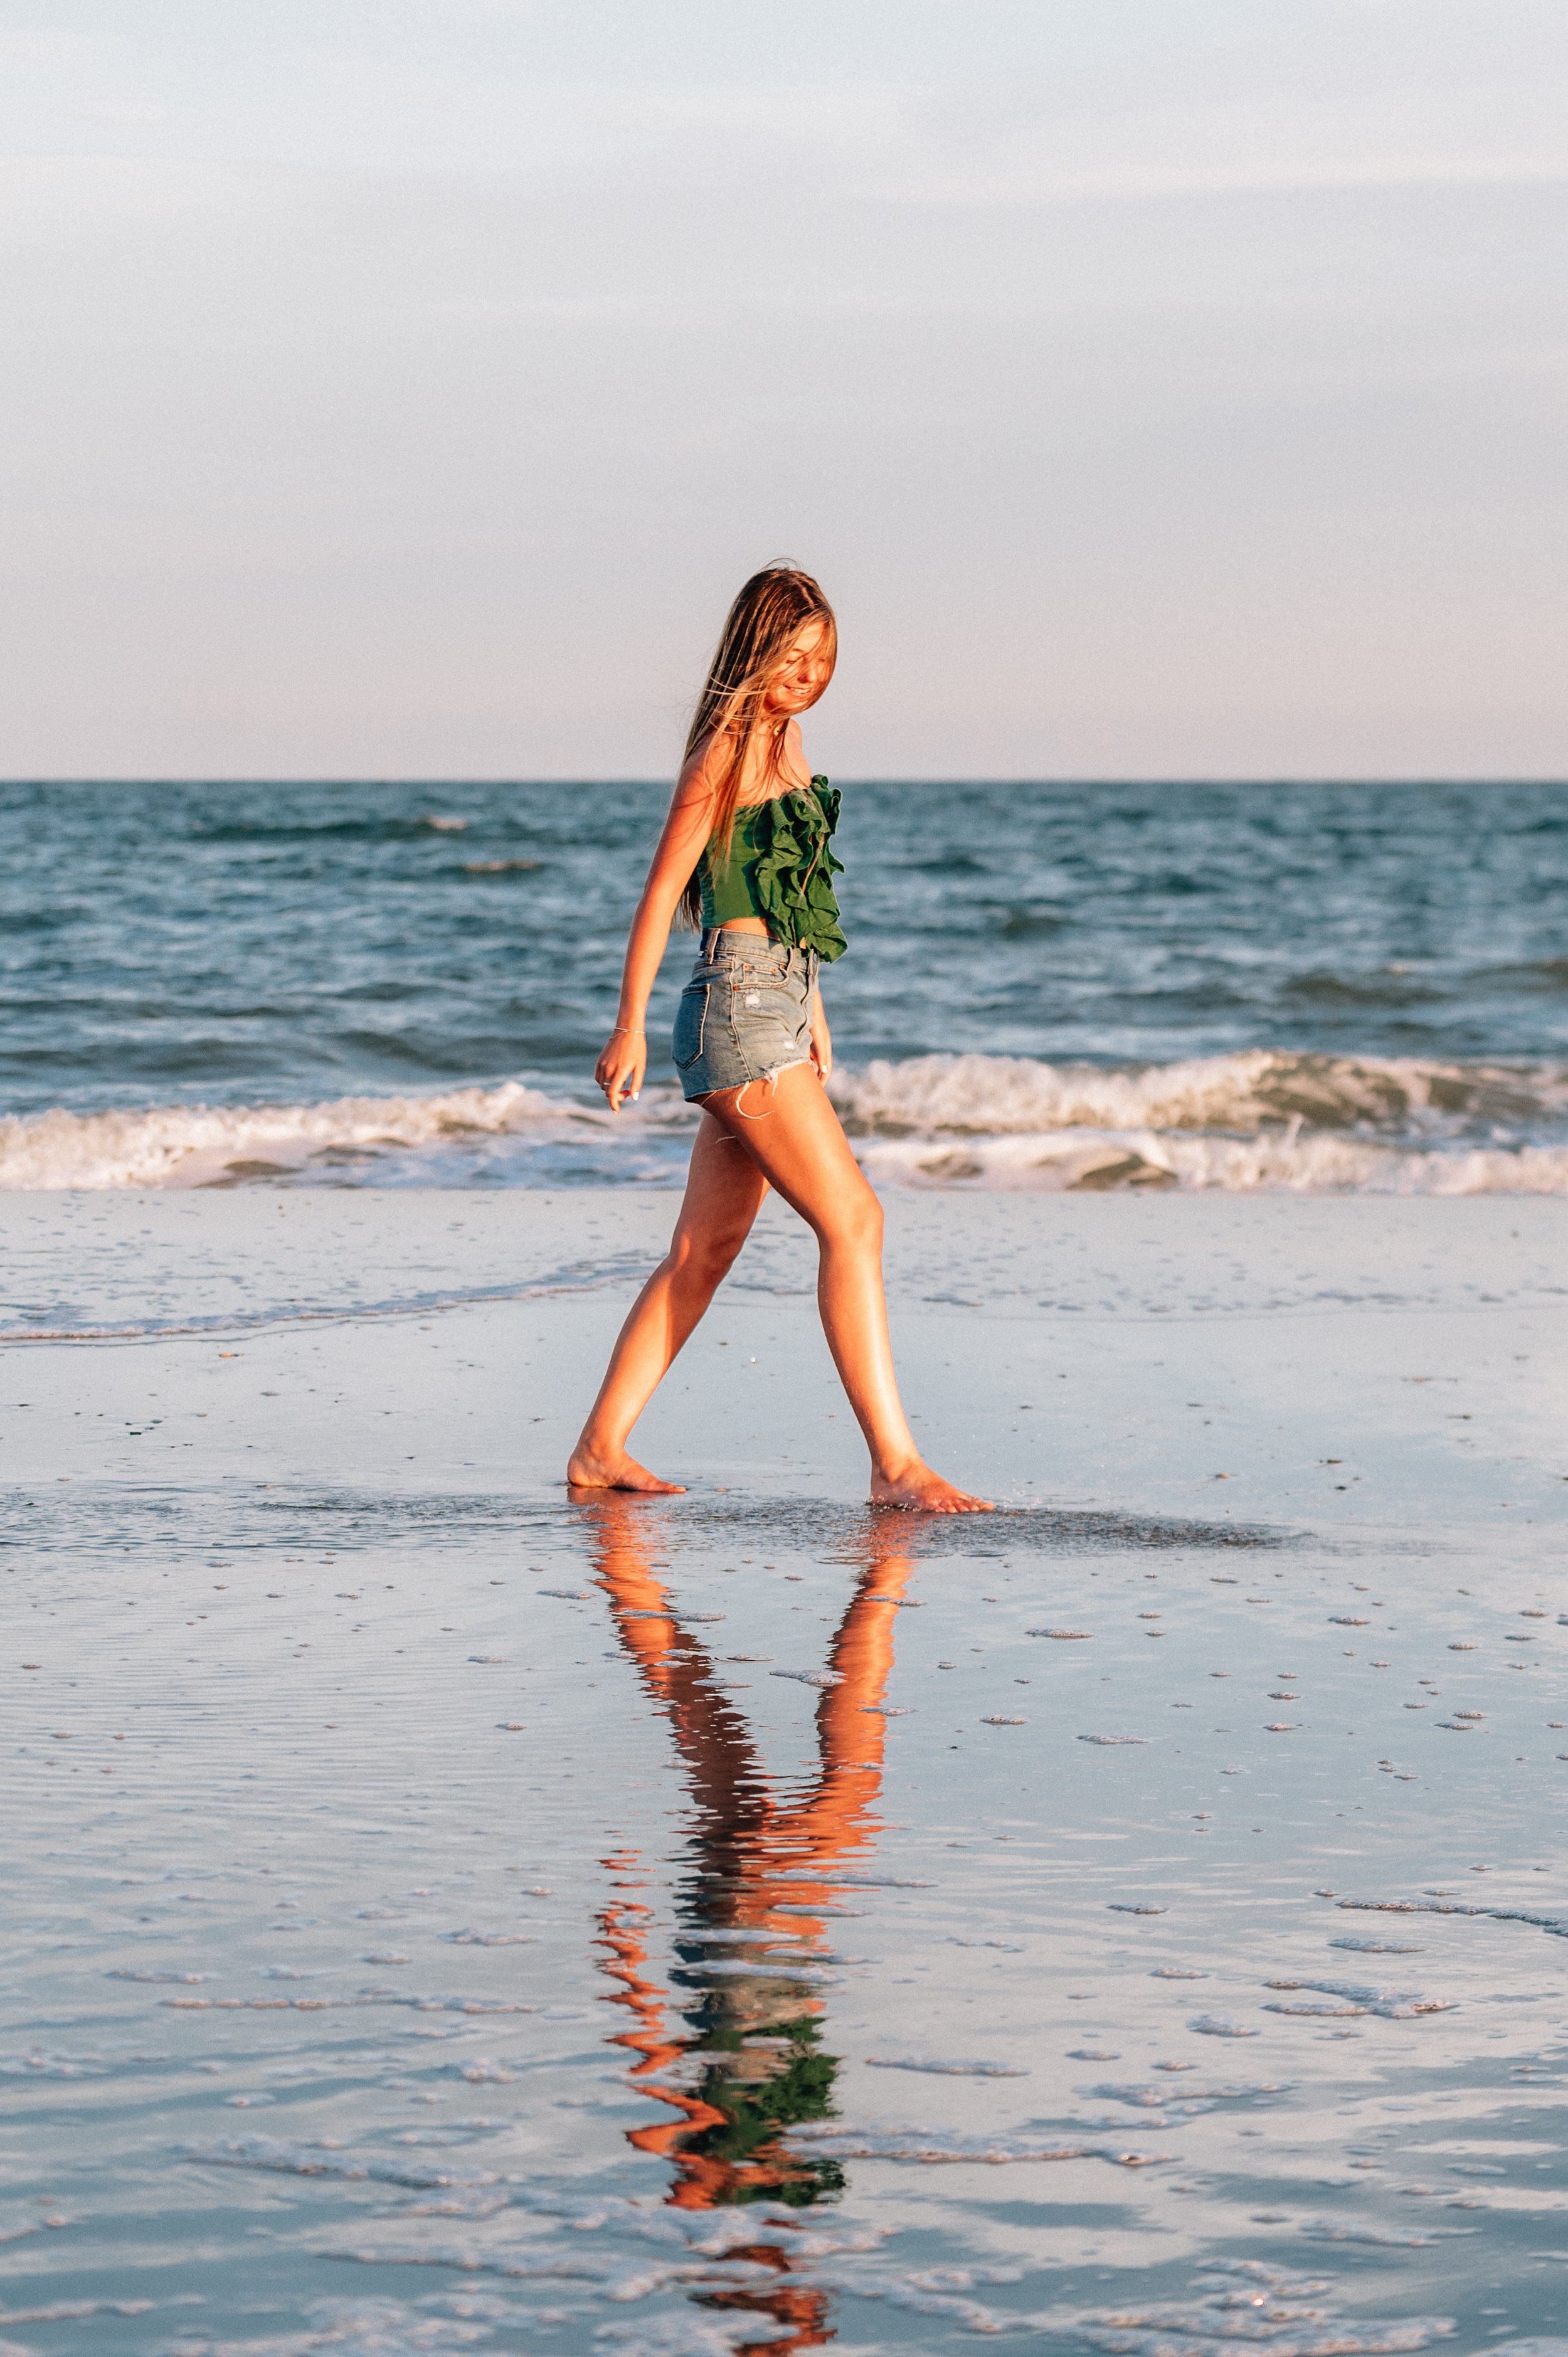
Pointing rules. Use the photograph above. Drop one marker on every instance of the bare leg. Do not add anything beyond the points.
(724, 1192)
(794, 1137)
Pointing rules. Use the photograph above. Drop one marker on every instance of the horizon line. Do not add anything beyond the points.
(871, 778)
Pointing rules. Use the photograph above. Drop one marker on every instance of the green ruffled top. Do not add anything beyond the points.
(780, 869)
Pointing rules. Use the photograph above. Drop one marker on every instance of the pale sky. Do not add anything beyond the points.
(1157, 387)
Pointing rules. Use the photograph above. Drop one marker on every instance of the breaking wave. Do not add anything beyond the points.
(1311, 1124)
(1261, 1120)
(193, 1145)
(1259, 1090)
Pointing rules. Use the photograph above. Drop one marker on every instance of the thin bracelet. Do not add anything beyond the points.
(632, 1030)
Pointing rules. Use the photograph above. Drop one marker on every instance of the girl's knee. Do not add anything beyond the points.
(856, 1222)
(708, 1257)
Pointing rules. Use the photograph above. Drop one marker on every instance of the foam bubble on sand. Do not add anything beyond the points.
(125, 1973)
(48, 2062)
(59, 2311)
(1332, 2230)
(932, 2291)
(1265, 2306)
(281, 2159)
(329, 2004)
(947, 2070)
(690, 2335)
(937, 2145)
(1557, 1924)
(615, 2280)
(1394, 2005)
(1184, 2099)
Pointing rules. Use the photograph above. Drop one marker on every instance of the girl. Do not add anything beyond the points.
(744, 854)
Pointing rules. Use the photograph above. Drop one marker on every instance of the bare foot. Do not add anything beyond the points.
(917, 1485)
(589, 1471)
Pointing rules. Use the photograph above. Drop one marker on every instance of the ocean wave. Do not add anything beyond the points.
(1259, 1120)
(1311, 1124)
(375, 829)
(193, 1145)
(1104, 1161)
(1257, 1090)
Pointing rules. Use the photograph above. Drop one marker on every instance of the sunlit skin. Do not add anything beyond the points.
(788, 1138)
(760, 1862)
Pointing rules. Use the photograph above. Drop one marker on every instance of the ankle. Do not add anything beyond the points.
(898, 1469)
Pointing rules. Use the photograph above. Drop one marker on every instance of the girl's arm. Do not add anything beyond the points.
(619, 1071)
(821, 1038)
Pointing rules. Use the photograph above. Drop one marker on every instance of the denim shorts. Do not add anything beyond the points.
(746, 1015)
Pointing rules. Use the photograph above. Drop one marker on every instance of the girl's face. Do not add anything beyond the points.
(804, 672)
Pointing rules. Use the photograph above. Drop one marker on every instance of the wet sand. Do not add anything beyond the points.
(445, 1915)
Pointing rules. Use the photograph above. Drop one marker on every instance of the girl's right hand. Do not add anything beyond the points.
(620, 1069)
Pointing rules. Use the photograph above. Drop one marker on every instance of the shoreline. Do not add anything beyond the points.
(1051, 1348)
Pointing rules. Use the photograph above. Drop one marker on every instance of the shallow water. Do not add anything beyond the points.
(585, 1972)
(1352, 988)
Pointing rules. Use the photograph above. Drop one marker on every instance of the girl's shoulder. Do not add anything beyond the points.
(699, 777)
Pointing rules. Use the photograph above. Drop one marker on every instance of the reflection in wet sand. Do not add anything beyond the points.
(734, 2053)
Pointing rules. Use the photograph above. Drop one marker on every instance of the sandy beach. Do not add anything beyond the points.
(1169, 1971)
(400, 1341)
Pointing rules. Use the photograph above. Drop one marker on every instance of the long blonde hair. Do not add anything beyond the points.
(773, 607)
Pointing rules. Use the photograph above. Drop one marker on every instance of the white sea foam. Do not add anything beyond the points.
(1316, 1124)
(190, 1146)
(1256, 1120)
(1258, 1089)
(1352, 1996)
(1101, 1160)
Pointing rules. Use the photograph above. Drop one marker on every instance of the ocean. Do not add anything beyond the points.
(1328, 987)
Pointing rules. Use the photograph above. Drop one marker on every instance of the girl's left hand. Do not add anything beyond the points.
(619, 1071)
(822, 1039)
